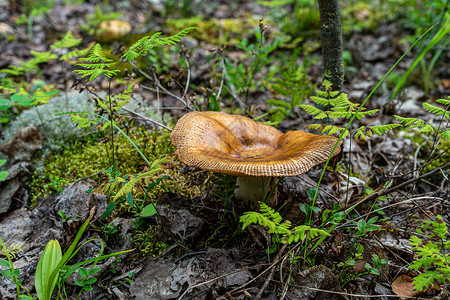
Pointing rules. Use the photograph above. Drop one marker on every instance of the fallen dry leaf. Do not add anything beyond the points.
(446, 82)
(403, 286)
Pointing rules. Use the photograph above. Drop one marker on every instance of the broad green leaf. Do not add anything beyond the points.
(47, 264)
(108, 210)
(148, 211)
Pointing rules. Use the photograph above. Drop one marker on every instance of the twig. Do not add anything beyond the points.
(272, 271)
(158, 83)
(399, 186)
(348, 294)
(221, 80)
(213, 279)
(188, 78)
(146, 118)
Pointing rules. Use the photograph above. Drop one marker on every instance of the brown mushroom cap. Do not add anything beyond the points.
(237, 145)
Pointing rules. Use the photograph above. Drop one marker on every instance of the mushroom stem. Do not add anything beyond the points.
(252, 190)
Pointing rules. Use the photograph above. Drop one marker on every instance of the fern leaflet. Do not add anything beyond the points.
(382, 129)
(446, 134)
(314, 111)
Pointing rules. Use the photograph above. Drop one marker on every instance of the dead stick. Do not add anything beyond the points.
(266, 283)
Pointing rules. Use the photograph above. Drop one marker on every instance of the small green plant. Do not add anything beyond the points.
(53, 267)
(11, 273)
(97, 64)
(247, 77)
(366, 227)
(120, 188)
(347, 266)
(19, 97)
(431, 255)
(34, 9)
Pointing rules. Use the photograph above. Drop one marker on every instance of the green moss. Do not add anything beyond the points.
(93, 156)
(145, 242)
(426, 146)
(89, 157)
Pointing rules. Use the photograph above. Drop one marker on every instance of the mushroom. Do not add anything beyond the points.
(255, 152)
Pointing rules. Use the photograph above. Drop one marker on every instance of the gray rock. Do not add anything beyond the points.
(179, 222)
(75, 202)
(8, 190)
(22, 147)
(164, 279)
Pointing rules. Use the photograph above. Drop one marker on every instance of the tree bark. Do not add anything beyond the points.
(331, 38)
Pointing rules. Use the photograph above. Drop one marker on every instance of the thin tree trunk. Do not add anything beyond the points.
(331, 38)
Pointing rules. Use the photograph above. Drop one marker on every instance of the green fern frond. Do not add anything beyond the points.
(322, 94)
(272, 220)
(314, 111)
(97, 64)
(318, 127)
(446, 134)
(279, 103)
(411, 122)
(82, 122)
(68, 41)
(126, 188)
(97, 55)
(364, 114)
(327, 86)
(349, 114)
(436, 110)
(257, 218)
(342, 101)
(40, 57)
(96, 72)
(427, 128)
(303, 232)
(12, 250)
(146, 43)
(340, 114)
(270, 213)
(444, 101)
(331, 130)
(74, 53)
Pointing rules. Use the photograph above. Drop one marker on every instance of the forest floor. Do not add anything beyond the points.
(383, 209)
